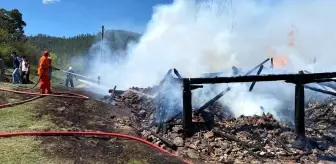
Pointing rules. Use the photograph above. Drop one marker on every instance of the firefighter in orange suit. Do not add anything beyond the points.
(43, 73)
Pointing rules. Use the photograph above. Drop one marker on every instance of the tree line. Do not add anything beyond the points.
(13, 38)
(69, 47)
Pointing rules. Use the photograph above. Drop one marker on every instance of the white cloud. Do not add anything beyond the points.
(49, 1)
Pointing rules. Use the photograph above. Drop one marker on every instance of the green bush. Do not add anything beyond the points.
(5, 51)
(22, 49)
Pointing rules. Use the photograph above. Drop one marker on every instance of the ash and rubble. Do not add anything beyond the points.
(221, 138)
(233, 140)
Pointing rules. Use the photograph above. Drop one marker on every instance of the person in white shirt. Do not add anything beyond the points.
(24, 70)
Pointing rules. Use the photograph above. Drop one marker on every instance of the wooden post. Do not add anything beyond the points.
(101, 44)
(187, 109)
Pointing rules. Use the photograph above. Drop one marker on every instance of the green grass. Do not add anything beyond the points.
(21, 150)
(57, 78)
(22, 118)
(28, 150)
(134, 161)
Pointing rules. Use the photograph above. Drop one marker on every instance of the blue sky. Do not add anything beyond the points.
(72, 17)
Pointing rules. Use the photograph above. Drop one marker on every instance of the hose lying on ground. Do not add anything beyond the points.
(58, 94)
(13, 134)
(18, 103)
(70, 95)
(72, 133)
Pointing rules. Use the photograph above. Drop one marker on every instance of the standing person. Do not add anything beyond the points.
(69, 77)
(2, 70)
(24, 69)
(16, 64)
(43, 73)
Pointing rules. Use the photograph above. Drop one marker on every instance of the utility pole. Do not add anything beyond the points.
(101, 44)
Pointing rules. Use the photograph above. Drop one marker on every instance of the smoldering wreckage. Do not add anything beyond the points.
(211, 134)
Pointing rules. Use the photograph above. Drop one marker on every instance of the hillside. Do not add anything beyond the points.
(67, 47)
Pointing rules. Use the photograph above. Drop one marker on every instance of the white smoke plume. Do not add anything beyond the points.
(201, 36)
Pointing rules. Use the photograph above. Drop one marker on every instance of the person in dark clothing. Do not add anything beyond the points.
(16, 64)
(69, 77)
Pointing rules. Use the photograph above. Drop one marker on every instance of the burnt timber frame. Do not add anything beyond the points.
(298, 79)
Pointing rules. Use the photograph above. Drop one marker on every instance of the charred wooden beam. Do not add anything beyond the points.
(320, 90)
(323, 81)
(177, 73)
(165, 141)
(211, 102)
(258, 73)
(291, 78)
(217, 97)
(112, 94)
(193, 87)
(177, 116)
(236, 71)
(256, 67)
(299, 108)
(160, 111)
(187, 109)
(245, 145)
(298, 79)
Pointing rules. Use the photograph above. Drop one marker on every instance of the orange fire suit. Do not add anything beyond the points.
(43, 72)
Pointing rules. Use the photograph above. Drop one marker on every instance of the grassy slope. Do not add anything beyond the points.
(22, 118)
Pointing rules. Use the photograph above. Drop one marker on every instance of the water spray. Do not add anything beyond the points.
(78, 75)
(95, 85)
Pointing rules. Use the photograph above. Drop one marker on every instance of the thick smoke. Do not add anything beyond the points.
(197, 37)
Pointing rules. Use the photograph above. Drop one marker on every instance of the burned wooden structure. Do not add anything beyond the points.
(299, 80)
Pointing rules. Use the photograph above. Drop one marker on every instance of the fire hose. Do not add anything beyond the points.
(38, 95)
(73, 95)
(18, 103)
(61, 94)
(59, 133)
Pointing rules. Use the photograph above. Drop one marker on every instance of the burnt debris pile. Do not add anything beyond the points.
(155, 106)
(218, 137)
(242, 139)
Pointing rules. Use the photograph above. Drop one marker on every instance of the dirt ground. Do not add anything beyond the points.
(89, 115)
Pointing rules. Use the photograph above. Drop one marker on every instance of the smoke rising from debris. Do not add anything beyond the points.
(197, 37)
